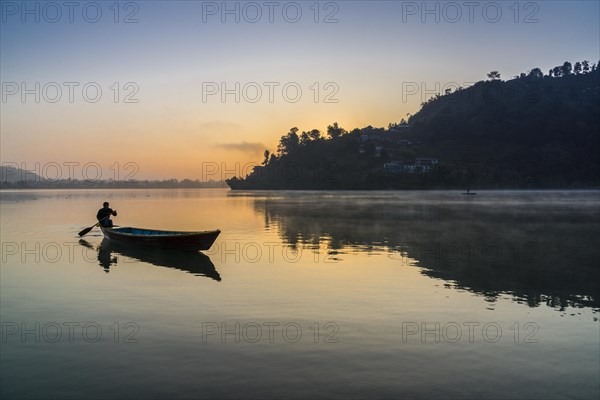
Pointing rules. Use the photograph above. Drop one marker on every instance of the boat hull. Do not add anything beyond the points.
(163, 239)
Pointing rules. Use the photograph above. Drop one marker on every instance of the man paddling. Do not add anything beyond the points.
(104, 214)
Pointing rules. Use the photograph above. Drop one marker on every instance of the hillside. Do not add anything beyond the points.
(533, 131)
(10, 174)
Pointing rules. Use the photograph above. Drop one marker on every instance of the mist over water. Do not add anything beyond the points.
(326, 294)
(538, 246)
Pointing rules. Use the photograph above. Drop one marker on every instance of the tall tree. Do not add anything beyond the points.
(266, 160)
(577, 68)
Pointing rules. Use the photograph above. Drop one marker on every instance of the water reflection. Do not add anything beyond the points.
(538, 249)
(195, 263)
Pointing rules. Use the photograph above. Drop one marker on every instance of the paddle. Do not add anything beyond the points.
(87, 230)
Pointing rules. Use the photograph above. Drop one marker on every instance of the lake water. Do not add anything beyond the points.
(303, 295)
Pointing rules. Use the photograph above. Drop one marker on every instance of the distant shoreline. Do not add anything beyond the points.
(2, 187)
(65, 184)
(459, 190)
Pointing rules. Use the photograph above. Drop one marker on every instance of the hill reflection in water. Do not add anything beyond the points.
(537, 247)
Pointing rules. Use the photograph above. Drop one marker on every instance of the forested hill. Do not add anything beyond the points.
(533, 131)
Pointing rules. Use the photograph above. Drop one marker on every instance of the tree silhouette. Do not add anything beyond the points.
(557, 72)
(586, 66)
(494, 75)
(315, 134)
(536, 73)
(289, 142)
(566, 68)
(266, 160)
(577, 68)
(304, 138)
(335, 130)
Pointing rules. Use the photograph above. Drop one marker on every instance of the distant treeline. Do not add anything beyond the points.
(108, 184)
(534, 131)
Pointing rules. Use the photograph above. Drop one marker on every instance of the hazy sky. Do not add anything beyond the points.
(162, 66)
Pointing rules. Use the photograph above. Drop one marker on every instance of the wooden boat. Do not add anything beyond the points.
(163, 239)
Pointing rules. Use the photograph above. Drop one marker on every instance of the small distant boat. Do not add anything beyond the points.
(163, 239)
(469, 193)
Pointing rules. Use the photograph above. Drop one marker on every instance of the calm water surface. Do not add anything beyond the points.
(304, 295)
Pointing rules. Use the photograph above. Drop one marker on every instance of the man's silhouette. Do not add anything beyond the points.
(104, 214)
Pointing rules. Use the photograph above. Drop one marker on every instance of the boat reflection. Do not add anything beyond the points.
(535, 248)
(194, 263)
